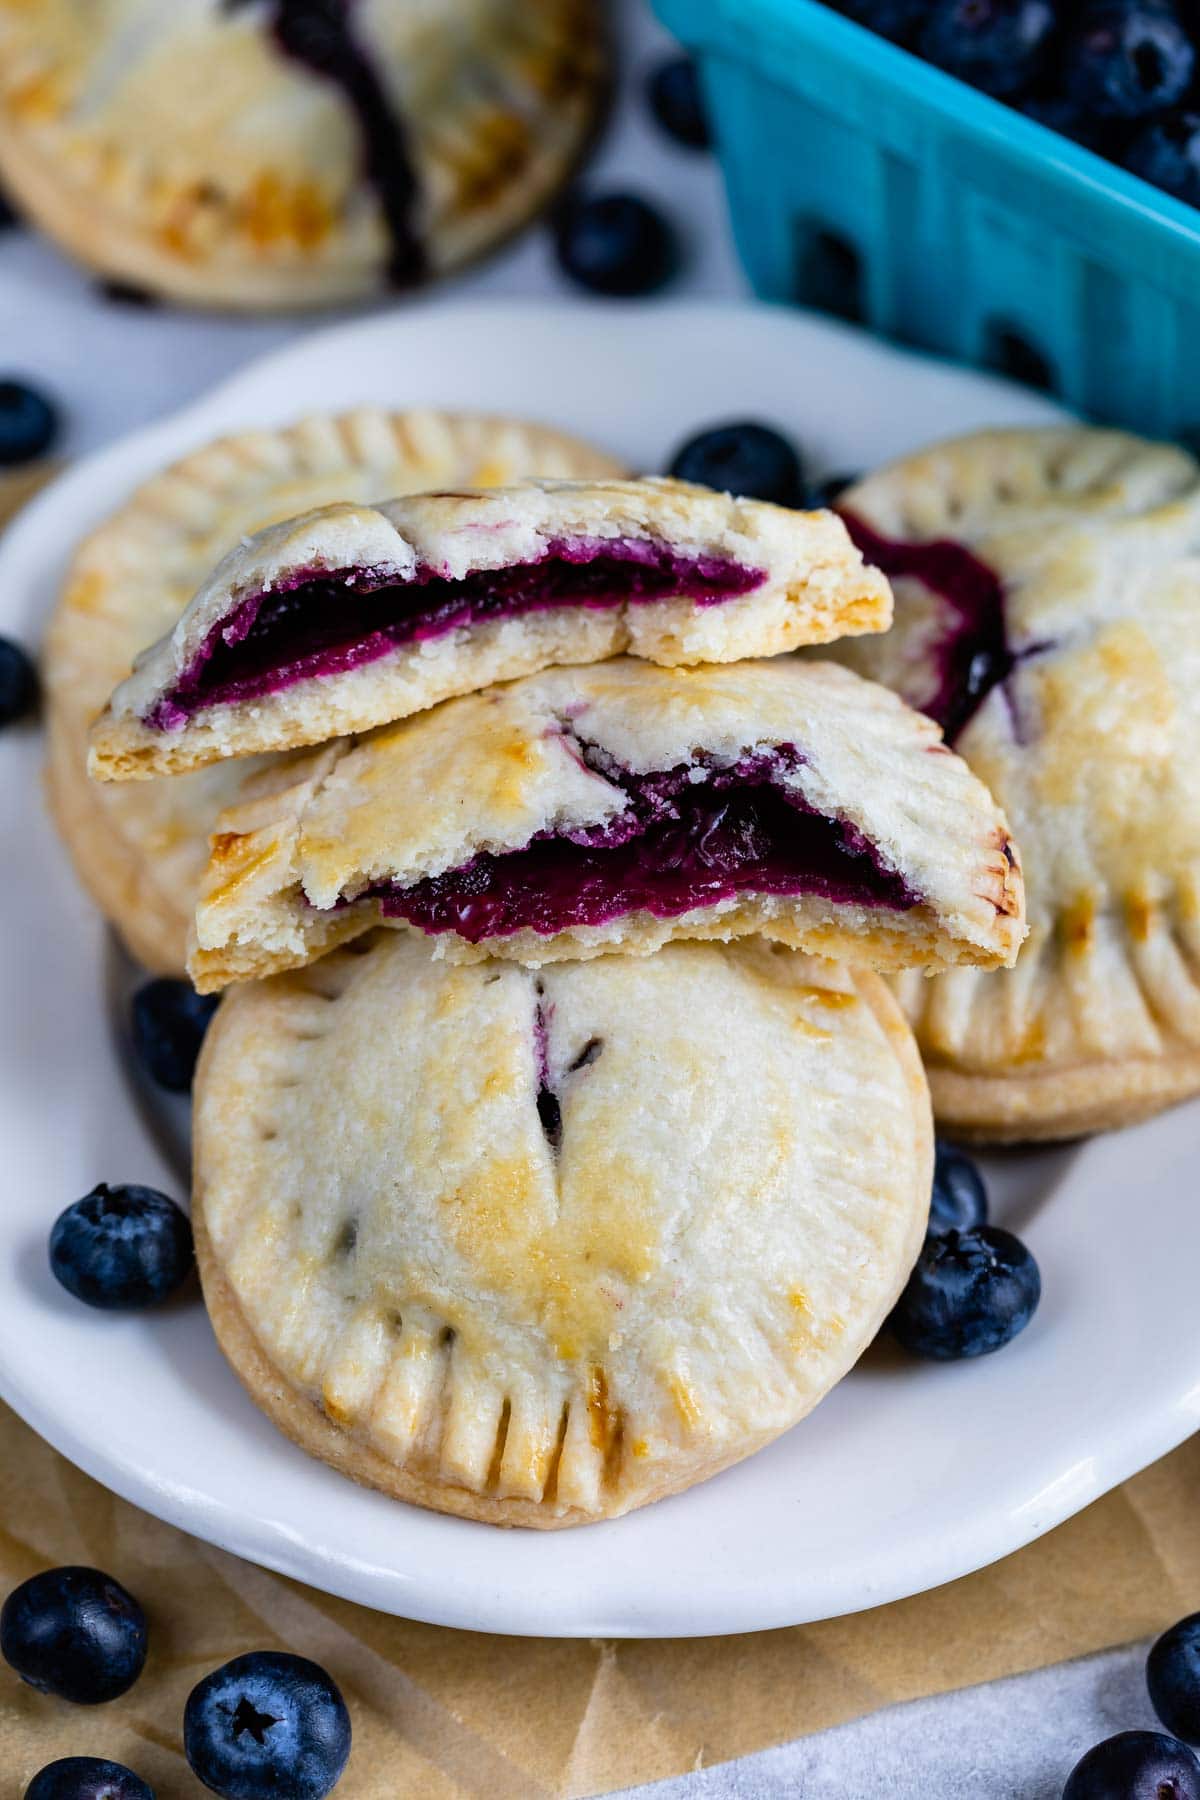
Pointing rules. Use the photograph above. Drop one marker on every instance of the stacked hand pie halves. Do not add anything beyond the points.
(555, 1144)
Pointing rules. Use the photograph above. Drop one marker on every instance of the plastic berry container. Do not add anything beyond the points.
(866, 182)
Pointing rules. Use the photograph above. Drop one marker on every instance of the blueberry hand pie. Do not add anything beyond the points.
(1048, 617)
(617, 806)
(140, 848)
(285, 153)
(355, 615)
(538, 1249)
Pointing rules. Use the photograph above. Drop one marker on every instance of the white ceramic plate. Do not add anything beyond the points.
(910, 1473)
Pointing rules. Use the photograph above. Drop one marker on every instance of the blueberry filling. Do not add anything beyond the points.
(322, 623)
(680, 843)
(973, 655)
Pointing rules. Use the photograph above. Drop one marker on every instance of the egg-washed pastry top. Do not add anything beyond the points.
(617, 806)
(140, 847)
(352, 616)
(1048, 616)
(538, 1249)
(287, 153)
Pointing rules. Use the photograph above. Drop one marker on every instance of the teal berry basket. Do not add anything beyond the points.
(867, 183)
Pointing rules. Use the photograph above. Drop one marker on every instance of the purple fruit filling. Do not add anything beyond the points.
(680, 843)
(321, 623)
(973, 655)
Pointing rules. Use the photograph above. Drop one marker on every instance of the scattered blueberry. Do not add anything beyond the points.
(28, 423)
(76, 1633)
(169, 1020)
(676, 101)
(899, 20)
(1126, 59)
(1135, 1765)
(959, 1200)
(1167, 153)
(829, 490)
(267, 1725)
(615, 244)
(121, 1248)
(1000, 46)
(1173, 1678)
(87, 1778)
(970, 1292)
(743, 458)
(18, 682)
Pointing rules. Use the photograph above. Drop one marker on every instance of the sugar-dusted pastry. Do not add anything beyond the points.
(1048, 615)
(356, 615)
(140, 848)
(287, 153)
(538, 1249)
(615, 807)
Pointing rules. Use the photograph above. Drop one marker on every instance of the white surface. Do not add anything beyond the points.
(910, 1474)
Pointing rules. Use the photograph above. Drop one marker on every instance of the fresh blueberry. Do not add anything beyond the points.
(1167, 153)
(1135, 1765)
(615, 244)
(169, 1020)
(267, 1725)
(899, 20)
(828, 490)
(673, 91)
(87, 1778)
(1126, 59)
(28, 423)
(121, 1248)
(1000, 46)
(971, 1292)
(76, 1633)
(18, 682)
(1173, 1678)
(742, 458)
(959, 1200)
(1057, 113)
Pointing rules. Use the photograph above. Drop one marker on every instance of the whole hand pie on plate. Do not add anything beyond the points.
(538, 1249)
(140, 848)
(285, 153)
(356, 615)
(614, 807)
(1048, 615)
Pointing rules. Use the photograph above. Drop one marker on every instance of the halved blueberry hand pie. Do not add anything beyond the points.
(354, 615)
(1048, 615)
(615, 807)
(539, 1249)
(285, 153)
(140, 848)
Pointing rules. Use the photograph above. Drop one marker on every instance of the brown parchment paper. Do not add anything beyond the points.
(440, 1714)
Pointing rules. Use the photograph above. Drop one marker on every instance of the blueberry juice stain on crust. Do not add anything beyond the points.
(319, 34)
(680, 844)
(323, 622)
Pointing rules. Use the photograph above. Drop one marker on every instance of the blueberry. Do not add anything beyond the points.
(615, 244)
(959, 1200)
(28, 423)
(76, 1633)
(899, 20)
(87, 1778)
(1167, 153)
(1135, 1765)
(121, 1248)
(1057, 113)
(169, 1020)
(970, 1292)
(676, 101)
(266, 1725)
(1000, 46)
(828, 490)
(1126, 59)
(743, 458)
(1173, 1678)
(18, 682)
